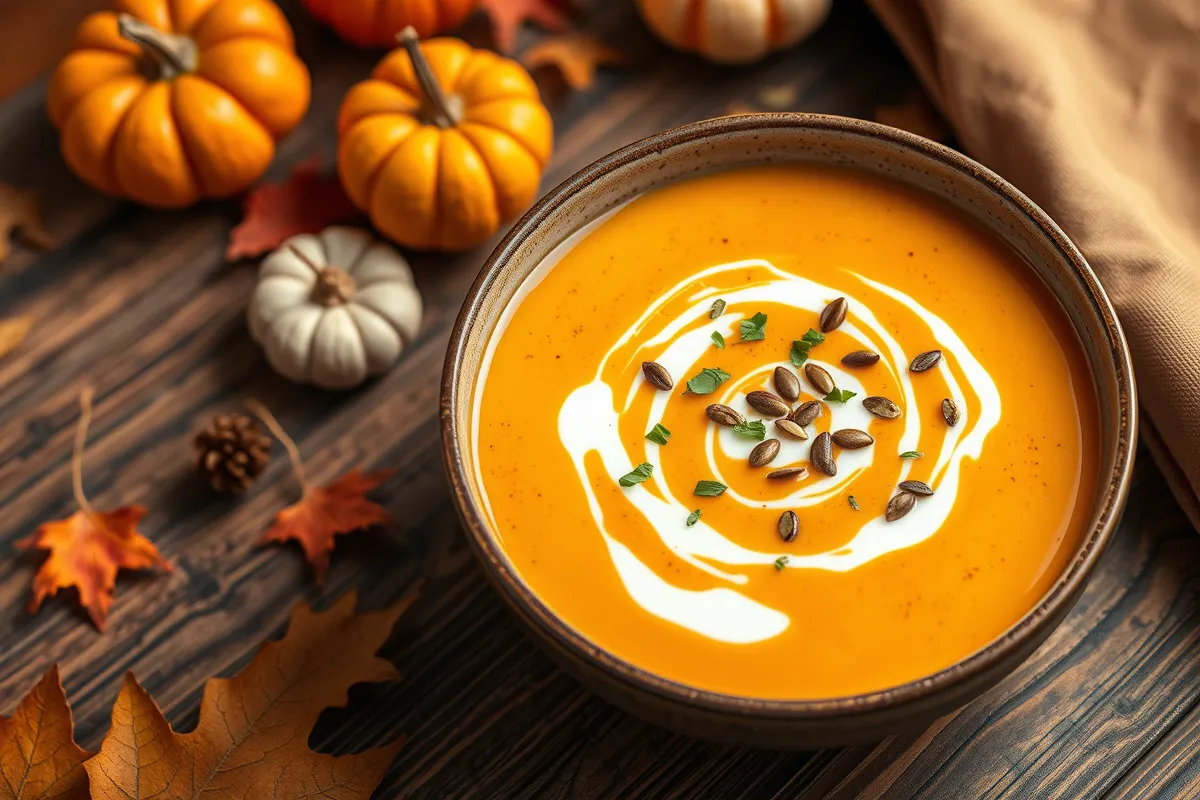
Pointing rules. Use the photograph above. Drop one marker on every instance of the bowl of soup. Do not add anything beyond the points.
(788, 430)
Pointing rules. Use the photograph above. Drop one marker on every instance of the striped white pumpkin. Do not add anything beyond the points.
(733, 31)
(334, 337)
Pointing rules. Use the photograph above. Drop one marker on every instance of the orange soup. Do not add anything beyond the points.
(786, 432)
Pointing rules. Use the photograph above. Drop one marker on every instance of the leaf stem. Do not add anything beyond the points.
(443, 112)
(81, 431)
(268, 419)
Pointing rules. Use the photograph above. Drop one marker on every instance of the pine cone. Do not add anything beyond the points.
(233, 452)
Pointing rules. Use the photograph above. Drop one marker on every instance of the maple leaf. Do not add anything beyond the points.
(252, 738)
(88, 547)
(323, 512)
(508, 15)
(20, 213)
(576, 55)
(12, 332)
(306, 203)
(39, 759)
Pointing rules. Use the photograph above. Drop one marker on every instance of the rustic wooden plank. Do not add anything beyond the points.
(141, 304)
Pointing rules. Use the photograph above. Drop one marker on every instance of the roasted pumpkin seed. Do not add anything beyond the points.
(787, 384)
(820, 455)
(821, 380)
(657, 375)
(852, 439)
(881, 407)
(724, 415)
(764, 453)
(768, 404)
(833, 315)
(861, 358)
(924, 361)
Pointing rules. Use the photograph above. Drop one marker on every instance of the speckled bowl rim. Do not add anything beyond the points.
(1049, 611)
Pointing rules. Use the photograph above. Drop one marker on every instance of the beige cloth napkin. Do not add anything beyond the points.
(1092, 108)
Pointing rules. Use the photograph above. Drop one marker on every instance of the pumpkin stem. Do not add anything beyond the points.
(268, 419)
(444, 112)
(334, 286)
(171, 55)
(81, 431)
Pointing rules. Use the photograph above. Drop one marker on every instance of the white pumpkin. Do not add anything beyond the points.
(733, 31)
(334, 308)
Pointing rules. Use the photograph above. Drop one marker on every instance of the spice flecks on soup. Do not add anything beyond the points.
(715, 532)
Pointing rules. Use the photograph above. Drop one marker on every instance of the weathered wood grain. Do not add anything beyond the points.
(141, 304)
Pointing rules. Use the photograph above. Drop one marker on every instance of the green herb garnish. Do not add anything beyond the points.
(640, 473)
(718, 308)
(840, 395)
(658, 434)
(853, 503)
(912, 454)
(780, 562)
(718, 340)
(802, 346)
(710, 489)
(752, 430)
(693, 517)
(755, 328)
(707, 381)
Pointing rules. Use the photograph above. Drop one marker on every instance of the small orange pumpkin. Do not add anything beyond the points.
(375, 23)
(167, 102)
(443, 143)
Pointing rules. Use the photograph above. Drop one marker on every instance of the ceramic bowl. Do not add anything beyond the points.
(756, 139)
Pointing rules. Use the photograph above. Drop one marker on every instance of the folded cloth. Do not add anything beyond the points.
(1092, 108)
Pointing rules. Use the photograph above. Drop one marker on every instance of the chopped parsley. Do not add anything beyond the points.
(640, 473)
(658, 434)
(780, 563)
(707, 380)
(912, 454)
(755, 328)
(710, 488)
(718, 340)
(755, 429)
(802, 346)
(840, 395)
(693, 518)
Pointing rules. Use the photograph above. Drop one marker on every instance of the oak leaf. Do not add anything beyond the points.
(307, 202)
(323, 512)
(252, 738)
(20, 214)
(507, 17)
(12, 332)
(576, 55)
(89, 547)
(39, 759)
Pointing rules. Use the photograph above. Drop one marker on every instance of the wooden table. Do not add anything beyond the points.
(141, 304)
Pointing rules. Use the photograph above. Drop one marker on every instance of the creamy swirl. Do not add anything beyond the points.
(588, 422)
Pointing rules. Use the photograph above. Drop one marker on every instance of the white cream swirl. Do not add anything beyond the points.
(588, 421)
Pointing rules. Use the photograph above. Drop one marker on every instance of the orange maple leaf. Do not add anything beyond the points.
(252, 738)
(306, 203)
(88, 547)
(576, 55)
(323, 511)
(508, 15)
(39, 759)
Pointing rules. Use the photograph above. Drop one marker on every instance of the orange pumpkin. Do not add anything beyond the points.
(375, 23)
(167, 102)
(441, 154)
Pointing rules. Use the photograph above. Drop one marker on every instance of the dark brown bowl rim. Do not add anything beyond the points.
(1049, 611)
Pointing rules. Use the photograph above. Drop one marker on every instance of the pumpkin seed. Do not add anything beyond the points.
(927, 360)
(767, 404)
(899, 505)
(764, 453)
(790, 430)
(657, 375)
(950, 412)
(724, 415)
(820, 455)
(861, 358)
(718, 308)
(805, 413)
(852, 439)
(881, 407)
(833, 315)
(919, 488)
(789, 526)
(821, 380)
(799, 473)
(787, 384)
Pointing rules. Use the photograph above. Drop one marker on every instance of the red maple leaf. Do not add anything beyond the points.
(323, 511)
(88, 547)
(508, 15)
(306, 203)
